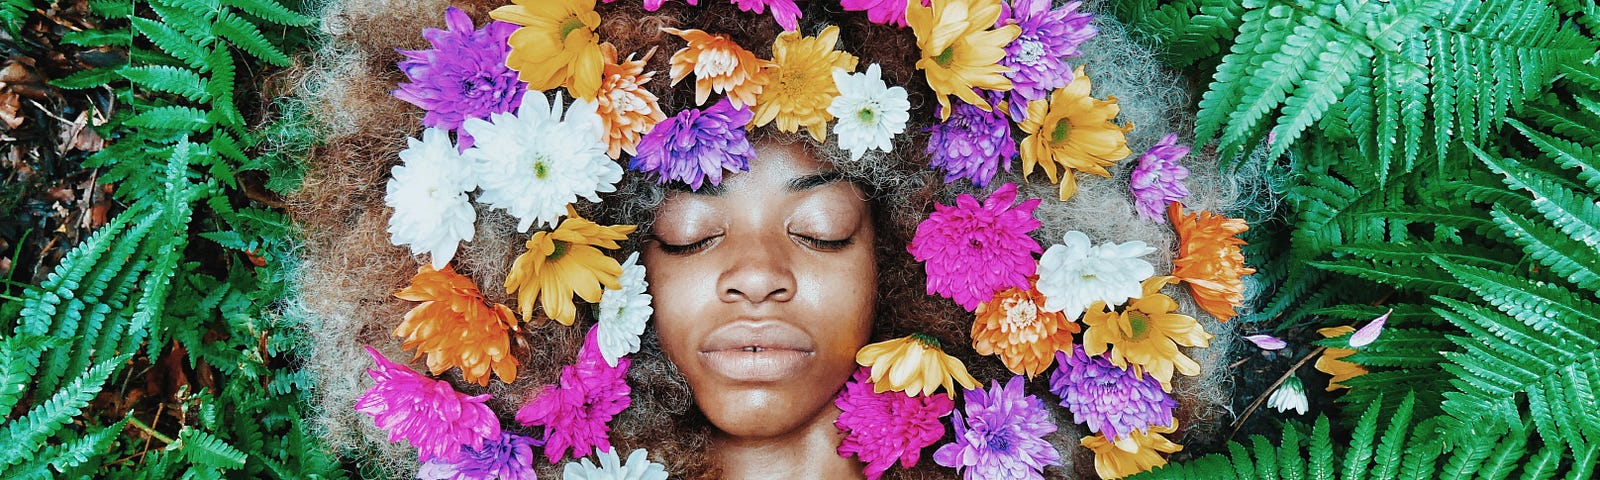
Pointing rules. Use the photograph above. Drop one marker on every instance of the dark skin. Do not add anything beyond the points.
(763, 292)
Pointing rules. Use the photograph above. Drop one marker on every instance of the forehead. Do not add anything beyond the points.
(778, 167)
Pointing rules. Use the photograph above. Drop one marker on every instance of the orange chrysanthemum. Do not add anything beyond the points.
(720, 66)
(959, 51)
(1014, 325)
(803, 85)
(556, 46)
(914, 364)
(455, 328)
(1073, 130)
(1146, 335)
(563, 262)
(1331, 364)
(1137, 452)
(1209, 259)
(627, 109)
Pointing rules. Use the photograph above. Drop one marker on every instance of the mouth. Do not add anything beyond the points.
(757, 351)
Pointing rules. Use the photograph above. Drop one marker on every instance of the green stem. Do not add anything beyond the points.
(149, 431)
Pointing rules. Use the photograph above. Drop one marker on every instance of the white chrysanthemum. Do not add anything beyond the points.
(1074, 274)
(534, 163)
(1289, 396)
(623, 312)
(870, 113)
(428, 193)
(611, 468)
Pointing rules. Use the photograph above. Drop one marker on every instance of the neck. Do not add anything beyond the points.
(811, 451)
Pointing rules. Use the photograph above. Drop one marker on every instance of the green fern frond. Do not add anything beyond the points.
(19, 359)
(206, 449)
(171, 41)
(247, 37)
(1571, 155)
(13, 13)
(24, 436)
(77, 452)
(1546, 307)
(271, 11)
(174, 118)
(174, 80)
(1574, 215)
(1564, 256)
(1424, 279)
(1402, 347)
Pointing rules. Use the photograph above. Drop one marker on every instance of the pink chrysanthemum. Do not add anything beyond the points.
(428, 413)
(882, 428)
(882, 12)
(575, 411)
(784, 11)
(972, 251)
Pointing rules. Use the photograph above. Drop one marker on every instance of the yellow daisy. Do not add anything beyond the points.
(556, 46)
(1134, 453)
(566, 261)
(1146, 334)
(959, 51)
(802, 86)
(1330, 362)
(913, 364)
(455, 328)
(1073, 131)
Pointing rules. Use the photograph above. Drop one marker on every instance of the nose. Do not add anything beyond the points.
(759, 272)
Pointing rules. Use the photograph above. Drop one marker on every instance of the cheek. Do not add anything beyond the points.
(677, 300)
(847, 300)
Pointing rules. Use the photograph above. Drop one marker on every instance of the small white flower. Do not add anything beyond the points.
(1290, 395)
(870, 113)
(534, 163)
(1074, 274)
(428, 193)
(623, 312)
(611, 468)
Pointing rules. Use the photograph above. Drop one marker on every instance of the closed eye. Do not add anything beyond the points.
(826, 245)
(685, 249)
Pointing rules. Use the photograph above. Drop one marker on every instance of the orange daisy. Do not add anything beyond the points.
(1014, 325)
(556, 46)
(1073, 131)
(803, 87)
(455, 328)
(1330, 362)
(960, 52)
(563, 262)
(720, 66)
(1209, 259)
(1146, 335)
(626, 108)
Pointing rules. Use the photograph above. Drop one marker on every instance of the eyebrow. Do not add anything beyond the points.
(800, 184)
(708, 189)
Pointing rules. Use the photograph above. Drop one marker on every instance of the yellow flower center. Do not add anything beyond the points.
(926, 340)
(1020, 313)
(572, 22)
(944, 57)
(559, 251)
(1138, 325)
(1060, 133)
(541, 166)
(867, 116)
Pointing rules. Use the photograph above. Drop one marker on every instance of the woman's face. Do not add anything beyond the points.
(764, 289)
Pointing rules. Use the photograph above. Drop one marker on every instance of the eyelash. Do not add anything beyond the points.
(826, 245)
(819, 244)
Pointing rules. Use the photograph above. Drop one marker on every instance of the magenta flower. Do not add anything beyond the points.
(653, 5)
(428, 413)
(1002, 435)
(882, 428)
(972, 144)
(1109, 399)
(882, 12)
(971, 251)
(1368, 334)
(1267, 342)
(1037, 58)
(785, 11)
(575, 411)
(463, 76)
(696, 144)
(511, 458)
(1158, 179)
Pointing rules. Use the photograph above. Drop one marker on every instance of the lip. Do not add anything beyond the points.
(757, 351)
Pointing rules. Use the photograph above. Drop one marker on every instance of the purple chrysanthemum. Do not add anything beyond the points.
(463, 76)
(696, 144)
(1037, 57)
(972, 144)
(1002, 435)
(882, 12)
(882, 428)
(971, 251)
(428, 413)
(511, 458)
(575, 411)
(1158, 179)
(1109, 399)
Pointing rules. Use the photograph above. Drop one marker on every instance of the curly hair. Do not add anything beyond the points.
(350, 270)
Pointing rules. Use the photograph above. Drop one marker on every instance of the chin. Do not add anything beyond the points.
(757, 413)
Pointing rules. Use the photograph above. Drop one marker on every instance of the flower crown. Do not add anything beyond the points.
(1004, 63)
